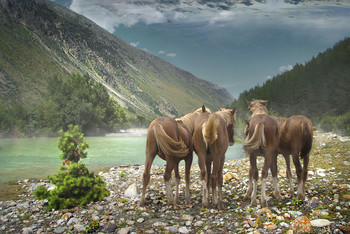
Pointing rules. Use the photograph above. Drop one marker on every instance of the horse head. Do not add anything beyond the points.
(257, 107)
(229, 115)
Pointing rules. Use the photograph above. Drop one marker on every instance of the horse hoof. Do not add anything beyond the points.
(263, 203)
(278, 196)
(300, 197)
(253, 204)
(221, 207)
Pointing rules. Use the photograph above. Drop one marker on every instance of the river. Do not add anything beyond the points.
(26, 158)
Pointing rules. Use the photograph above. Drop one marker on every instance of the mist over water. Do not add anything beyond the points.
(28, 158)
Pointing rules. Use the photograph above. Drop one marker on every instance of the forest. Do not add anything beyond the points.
(319, 89)
(78, 100)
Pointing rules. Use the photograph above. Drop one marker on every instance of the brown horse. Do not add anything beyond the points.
(261, 139)
(212, 135)
(295, 138)
(172, 140)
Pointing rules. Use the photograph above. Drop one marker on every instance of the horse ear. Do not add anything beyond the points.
(203, 108)
(233, 110)
(248, 102)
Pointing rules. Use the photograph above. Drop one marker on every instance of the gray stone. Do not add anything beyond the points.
(27, 230)
(79, 228)
(59, 230)
(320, 223)
(125, 230)
(184, 230)
(131, 192)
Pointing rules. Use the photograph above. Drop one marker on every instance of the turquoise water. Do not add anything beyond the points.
(38, 157)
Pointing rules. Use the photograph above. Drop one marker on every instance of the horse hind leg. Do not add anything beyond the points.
(177, 182)
(301, 186)
(274, 172)
(167, 180)
(248, 194)
(253, 181)
(289, 174)
(188, 163)
(299, 171)
(214, 182)
(204, 178)
(146, 175)
(220, 182)
(264, 175)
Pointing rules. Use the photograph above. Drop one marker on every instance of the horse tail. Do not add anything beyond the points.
(256, 141)
(168, 145)
(209, 130)
(307, 138)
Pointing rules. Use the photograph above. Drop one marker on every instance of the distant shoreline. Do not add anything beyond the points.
(136, 132)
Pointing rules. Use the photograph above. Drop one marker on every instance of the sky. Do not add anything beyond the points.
(235, 46)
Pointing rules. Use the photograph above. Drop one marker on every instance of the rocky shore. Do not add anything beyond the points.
(326, 208)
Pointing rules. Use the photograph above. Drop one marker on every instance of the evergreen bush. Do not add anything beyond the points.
(75, 186)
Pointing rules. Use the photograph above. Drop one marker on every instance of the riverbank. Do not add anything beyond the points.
(327, 203)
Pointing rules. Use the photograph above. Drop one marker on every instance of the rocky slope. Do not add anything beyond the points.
(325, 210)
(40, 39)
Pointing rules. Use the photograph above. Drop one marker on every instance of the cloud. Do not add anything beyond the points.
(111, 14)
(135, 44)
(162, 52)
(285, 68)
(171, 54)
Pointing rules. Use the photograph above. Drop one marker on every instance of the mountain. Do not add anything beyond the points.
(40, 40)
(318, 88)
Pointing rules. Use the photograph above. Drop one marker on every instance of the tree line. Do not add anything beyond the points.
(79, 100)
(319, 89)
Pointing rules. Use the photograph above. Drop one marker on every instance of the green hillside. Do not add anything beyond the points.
(318, 89)
(40, 40)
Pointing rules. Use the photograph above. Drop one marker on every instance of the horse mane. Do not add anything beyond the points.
(258, 107)
(189, 119)
(227, 115)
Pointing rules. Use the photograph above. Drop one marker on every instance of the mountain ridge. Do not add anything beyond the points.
(62, 42)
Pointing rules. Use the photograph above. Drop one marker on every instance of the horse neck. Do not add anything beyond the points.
(227, 116)
(259, 111)
(189, 120)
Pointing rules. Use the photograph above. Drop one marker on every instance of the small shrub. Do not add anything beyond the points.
(76, 186)
(92, 227)
(72, 144)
